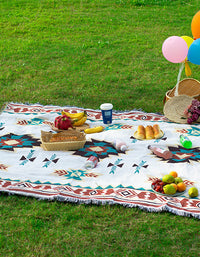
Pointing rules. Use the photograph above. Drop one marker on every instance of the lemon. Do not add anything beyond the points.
(193, 192)
(168, 179)
(169, 189)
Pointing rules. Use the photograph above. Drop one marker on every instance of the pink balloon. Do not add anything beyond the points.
(175, 49)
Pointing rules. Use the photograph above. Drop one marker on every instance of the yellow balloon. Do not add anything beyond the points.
(188, 40)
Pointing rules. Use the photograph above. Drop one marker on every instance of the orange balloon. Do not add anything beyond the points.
(195, 25)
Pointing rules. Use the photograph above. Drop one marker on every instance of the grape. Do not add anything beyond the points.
(158, 185)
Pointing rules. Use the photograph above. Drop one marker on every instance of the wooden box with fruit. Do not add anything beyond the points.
(67, 137)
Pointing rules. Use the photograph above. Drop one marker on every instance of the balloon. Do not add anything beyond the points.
(194, 52)
(188, 40)
(195, 25)
(175, 49)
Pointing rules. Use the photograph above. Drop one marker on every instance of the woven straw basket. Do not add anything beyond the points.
(189, 86)
(175, 107)
(73, 140)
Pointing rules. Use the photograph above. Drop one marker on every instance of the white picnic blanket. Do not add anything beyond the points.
(120, 177)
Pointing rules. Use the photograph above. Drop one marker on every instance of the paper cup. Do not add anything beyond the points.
(106, 110)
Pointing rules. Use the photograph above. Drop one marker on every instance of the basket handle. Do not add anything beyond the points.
(164, 100)
(178, 78)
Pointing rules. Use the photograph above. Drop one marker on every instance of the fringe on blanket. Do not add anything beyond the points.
(163, 208)
(73, 106)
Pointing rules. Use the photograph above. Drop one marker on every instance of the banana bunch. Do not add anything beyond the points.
(78, 119)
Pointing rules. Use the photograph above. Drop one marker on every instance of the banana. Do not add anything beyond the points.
(80, 122)
(78, 115)
(94, 130)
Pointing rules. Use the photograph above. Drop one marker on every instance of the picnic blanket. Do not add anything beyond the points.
(119, 178)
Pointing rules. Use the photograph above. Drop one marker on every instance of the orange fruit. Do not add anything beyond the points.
(174, 174)
(174, 185)
(181, 186)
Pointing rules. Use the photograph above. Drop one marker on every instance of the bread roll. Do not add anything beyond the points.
(149, 132)
(141, 132)
(58, 138)
(157, 131)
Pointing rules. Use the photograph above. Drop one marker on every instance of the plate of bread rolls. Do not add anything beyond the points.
(149, 132)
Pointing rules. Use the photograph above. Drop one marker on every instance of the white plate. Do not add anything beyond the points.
(135, 135)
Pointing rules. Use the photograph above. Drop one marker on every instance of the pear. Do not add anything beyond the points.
(193, 192)
(169, 189)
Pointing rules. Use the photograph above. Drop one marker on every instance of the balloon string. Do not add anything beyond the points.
(178, 78)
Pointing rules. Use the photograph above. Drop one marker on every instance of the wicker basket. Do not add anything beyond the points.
(175, 107)
(75, 140)
(189, 86)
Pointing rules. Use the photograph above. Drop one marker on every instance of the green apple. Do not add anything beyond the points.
(178, 180)
(168, 179)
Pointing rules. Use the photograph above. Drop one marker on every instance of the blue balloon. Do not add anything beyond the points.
(194, 52)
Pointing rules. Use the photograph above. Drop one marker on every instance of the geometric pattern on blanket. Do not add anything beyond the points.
(11, 141)
(119, 178)
(100, 149)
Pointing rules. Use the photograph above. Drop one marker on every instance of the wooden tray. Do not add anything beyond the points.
(79, 128)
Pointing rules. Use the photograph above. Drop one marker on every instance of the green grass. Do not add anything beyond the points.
(63, 52)
(84, 53)
(32, 228)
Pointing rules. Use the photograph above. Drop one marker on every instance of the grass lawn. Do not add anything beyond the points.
(83, 53)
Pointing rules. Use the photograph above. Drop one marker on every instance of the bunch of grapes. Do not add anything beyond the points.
(158, 186)
(193, 111)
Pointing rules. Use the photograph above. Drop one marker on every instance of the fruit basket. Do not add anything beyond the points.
(62, 141)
